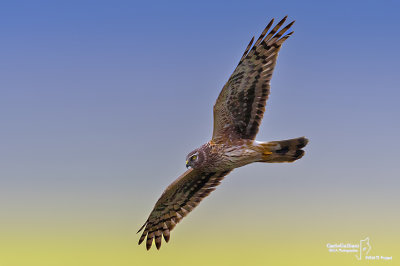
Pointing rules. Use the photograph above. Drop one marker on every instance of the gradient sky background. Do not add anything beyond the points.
(101, 101)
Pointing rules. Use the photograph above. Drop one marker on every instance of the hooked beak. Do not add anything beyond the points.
(187, 164)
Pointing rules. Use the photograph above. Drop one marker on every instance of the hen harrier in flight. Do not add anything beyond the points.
(238, 112)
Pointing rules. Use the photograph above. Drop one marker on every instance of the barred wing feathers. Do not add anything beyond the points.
(182, 196)
(240, 106)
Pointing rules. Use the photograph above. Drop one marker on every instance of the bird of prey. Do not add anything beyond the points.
(238, 112)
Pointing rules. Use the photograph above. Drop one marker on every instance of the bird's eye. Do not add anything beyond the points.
(193, 158)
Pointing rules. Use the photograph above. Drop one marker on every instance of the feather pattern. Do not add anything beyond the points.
(240, 106)
(182, 196)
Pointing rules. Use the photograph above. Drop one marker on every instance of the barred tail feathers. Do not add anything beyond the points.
(283, 151)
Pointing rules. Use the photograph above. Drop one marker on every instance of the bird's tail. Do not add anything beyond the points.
(282, 151)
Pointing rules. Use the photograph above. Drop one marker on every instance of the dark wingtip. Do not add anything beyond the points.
(290, 24)
(166, 238)
(148, 244)
(283, 20)
(141, 228)
(141, 239)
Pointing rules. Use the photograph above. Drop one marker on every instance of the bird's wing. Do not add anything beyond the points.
(240, 106)
(182, 196)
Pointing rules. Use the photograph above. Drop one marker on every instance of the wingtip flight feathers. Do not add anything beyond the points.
(271, 33)
(141, 228)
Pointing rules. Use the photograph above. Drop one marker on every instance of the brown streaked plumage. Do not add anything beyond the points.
(238, 112)
(178, 199)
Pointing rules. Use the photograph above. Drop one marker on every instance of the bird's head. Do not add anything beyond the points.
(195, 158)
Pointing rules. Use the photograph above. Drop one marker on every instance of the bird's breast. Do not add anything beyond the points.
(227, 157)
